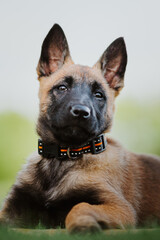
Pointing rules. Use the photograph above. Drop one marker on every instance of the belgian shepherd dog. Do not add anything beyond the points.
(79, 178)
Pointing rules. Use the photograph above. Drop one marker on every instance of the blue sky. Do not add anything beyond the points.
(90, 26)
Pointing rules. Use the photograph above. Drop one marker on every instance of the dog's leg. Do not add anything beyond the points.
(21, 208)
(4, 215)
(85, 217)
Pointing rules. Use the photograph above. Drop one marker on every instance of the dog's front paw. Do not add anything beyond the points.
(83, 224)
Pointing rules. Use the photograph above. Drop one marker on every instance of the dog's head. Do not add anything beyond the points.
(77, 102)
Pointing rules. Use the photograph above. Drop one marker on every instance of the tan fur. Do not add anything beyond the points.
(127, 184)
(122, 171)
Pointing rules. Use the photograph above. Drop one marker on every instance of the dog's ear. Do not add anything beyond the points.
(113, 64)
(54, 53)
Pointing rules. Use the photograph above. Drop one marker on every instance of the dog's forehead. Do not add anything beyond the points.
(79, 73)
(82, 73)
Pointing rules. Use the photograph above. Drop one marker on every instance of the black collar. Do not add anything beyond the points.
(53, 150)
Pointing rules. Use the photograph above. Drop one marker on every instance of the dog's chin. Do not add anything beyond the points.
(73, 136)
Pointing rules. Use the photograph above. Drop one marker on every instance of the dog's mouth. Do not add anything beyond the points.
(73, 135)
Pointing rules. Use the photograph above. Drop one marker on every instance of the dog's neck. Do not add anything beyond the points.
(53, 150)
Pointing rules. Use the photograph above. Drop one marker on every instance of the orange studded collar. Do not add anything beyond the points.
(53, 150)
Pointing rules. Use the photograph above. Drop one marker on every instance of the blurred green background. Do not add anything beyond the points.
(136, 126)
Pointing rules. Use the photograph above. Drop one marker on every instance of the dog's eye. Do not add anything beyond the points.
(62, 88)
(98, 95)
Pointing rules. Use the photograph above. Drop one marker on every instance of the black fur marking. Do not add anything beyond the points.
(66, 128)
(25, 206)
(95, 86)
(67, 81)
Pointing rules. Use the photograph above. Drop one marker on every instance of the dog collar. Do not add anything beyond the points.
(53, 150)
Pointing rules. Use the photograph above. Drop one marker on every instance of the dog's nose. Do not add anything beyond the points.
(82, 111)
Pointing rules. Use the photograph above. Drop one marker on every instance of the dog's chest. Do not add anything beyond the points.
(75, 187)
(73, 184)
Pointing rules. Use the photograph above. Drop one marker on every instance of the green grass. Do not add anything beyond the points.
(8, 234)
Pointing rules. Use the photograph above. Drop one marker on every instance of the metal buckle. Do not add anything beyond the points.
(69, 155)
(68, 152)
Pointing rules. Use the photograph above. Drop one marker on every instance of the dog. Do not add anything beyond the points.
(81, 179)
